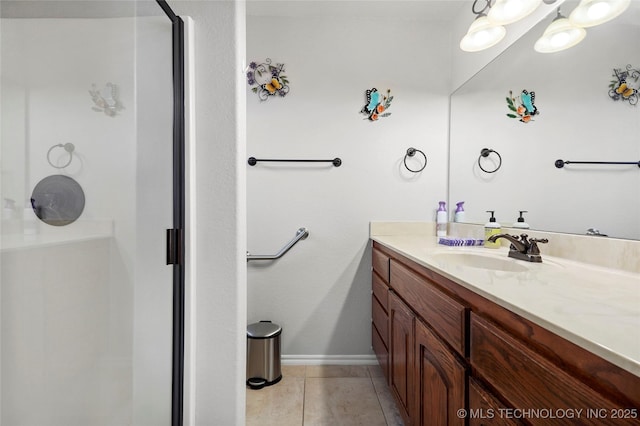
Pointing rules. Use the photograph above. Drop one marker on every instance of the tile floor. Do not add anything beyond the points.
(324, 395)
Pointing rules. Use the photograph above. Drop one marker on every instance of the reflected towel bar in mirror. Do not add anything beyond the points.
(484, 153)
(412, 152)
(561, 163)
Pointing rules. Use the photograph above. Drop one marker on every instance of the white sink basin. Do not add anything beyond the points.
(481, 261)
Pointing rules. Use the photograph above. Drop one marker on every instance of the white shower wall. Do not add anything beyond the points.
(81, 303)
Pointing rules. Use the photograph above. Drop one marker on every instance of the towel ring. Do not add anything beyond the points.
(410, 153)
(69, 147)
(485, 153)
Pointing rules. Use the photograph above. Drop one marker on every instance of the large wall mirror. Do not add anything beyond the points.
(577, 121)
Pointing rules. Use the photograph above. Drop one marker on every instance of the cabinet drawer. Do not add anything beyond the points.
(381, 291)
(529, 381)
(486, 410)
(380, 262)
(380, 320)
(381, 351)
(444, 314)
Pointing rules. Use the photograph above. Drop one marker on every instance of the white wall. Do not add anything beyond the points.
(319, 292)
(220, 211)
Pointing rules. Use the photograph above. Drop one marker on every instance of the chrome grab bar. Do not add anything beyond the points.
(301, 234)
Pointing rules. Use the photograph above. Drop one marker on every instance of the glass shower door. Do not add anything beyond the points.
(86, 183)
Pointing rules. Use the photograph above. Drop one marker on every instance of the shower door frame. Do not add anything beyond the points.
(175, 236)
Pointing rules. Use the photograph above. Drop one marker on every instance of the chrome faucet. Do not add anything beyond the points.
(522, 247)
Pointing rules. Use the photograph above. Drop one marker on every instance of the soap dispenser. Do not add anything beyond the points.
(491, 228)
(520, 223)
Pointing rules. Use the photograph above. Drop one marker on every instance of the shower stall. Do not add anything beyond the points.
(92, 186)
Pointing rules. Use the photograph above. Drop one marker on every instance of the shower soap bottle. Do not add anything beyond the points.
(441, 220)
(29, 220)
(491, 228)
(520, 223)
(458, 216)
(9, 208)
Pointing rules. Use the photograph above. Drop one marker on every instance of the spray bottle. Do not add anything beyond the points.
(441, 220)
(458, 216)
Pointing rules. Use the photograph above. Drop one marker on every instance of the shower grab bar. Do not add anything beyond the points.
(301, 234)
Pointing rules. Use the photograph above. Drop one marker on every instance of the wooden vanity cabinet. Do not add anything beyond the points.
(450, 349)
(380, 309)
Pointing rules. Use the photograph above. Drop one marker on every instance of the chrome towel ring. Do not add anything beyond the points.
(69, 147)
(410, 153)
(485, 152)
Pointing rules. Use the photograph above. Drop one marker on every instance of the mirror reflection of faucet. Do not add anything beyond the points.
(596, 232)
(522, 247)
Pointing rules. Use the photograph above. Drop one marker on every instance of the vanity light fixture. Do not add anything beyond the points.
(505, 12)
(482, 34)
(561, 34)
(590, 13)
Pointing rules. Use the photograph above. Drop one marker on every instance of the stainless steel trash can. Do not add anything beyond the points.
(263, 354)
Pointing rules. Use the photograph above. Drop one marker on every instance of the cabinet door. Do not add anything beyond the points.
(401, 321)
(528, 381)
(441, 381)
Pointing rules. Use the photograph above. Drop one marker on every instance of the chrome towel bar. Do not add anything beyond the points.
(301, 234)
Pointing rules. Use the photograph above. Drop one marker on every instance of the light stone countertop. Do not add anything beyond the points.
(596, 308)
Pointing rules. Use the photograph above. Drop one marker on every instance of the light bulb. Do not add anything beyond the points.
(590, 13)
(560, 39)
(559, 35)
(481, 35)
(598, 10)
(505, 12)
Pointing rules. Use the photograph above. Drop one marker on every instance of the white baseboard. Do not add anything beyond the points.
(329, 360)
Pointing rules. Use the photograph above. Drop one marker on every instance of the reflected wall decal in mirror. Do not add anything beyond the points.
(625, 85)
(107, 99)
(523, 105)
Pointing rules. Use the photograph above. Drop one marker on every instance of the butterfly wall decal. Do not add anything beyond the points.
(267, 80)
(106, 100)
(625, 85)
(376, 104)
(273, 86)
(523, 105)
